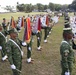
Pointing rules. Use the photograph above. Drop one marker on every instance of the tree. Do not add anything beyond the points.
(28, 8)
(45, 7)
(51, 6)
(58, 7)
(40, 7)
(73, 5)
(64, 7)
(10, 8)
(21, 7)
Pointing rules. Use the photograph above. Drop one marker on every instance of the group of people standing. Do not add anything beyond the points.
(12, 49)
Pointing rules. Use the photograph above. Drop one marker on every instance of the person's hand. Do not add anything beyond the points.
(24, 44)
(0, 47)
(22, 53)
(67, 73)
(13, 66)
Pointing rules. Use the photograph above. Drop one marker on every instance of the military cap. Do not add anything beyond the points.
(67, 28)
(67, 25)
(13, 30)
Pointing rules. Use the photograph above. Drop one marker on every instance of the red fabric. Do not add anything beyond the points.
(13, 22)
(47, 21)
(22, 23)
(39, 24)
(28, 30)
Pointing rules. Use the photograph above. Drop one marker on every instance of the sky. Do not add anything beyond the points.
(3, 3)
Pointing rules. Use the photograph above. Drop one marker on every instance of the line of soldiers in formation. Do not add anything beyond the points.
(67, 47)
(12, 49)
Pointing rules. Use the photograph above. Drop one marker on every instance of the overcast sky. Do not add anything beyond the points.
(3, 3)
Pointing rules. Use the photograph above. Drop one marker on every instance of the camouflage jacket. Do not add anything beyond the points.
(66, 47)
(13, 52)
(3, 35)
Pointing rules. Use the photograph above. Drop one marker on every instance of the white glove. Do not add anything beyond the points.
(13, 66)
(22, 53)
(5, 57)
(24, 43)
(67, 73)
(37, 32)
(0, 47)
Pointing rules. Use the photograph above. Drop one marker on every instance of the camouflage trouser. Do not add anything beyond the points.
(29, 49)
(45, 33)
(39, 36)
(18, 65)
(3, 51)
(48, 30)
(66, 66)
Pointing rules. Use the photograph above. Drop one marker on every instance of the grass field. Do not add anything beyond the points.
(47, 61)
(16, 15)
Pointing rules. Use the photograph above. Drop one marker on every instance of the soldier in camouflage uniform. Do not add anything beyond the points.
(67, 53)
(3, 40)
(36, 30)
(14, 52)
(4, 24)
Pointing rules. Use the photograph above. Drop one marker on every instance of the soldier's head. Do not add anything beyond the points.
(13, 33)
(4, 20)
(67, 33)
(0, 27)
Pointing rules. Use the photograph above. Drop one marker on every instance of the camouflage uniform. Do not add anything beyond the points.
(66, 61)
(14, 52)
(4, 24)
(36, 30)
(3, 40)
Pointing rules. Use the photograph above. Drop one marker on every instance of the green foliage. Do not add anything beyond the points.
(73, 5)
(51, 6)
(40, 7)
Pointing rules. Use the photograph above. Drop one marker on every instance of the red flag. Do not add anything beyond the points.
(39, 24)
(22, 23)
(27, 33)
(47, 20)
(13, 22)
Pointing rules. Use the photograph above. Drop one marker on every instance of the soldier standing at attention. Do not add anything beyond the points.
(67, 53)
(14, 52)
(3, 40)
(4, 24)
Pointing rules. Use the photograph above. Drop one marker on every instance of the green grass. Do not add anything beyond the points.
(16, 15)
(47, 61)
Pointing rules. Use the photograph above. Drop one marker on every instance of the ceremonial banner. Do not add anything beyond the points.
(43, 21)
(73, 25)
(36, 27)
(47, 20)
(13, 23)
(21, 22)
(55, 19)
(39, 24)
(27, 32)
